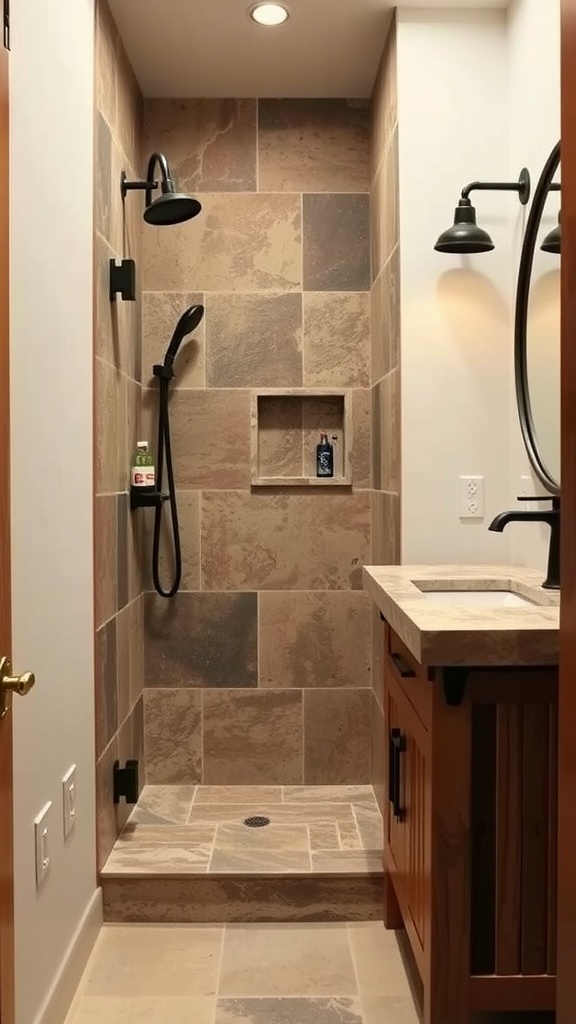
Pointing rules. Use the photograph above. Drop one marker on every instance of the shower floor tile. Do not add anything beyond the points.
(184, 830)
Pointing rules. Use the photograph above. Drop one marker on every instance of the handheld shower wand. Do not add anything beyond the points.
(187, 323)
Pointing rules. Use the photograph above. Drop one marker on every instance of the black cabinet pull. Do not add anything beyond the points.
(402, 667)
(396, 747)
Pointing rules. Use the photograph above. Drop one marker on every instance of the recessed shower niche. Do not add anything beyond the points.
(285, 429)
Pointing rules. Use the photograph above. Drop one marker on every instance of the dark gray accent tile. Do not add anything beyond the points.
(201, 640)
(336, 243)
(106, 694)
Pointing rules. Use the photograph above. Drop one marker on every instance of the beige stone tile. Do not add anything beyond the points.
(377, 961)
(123, 663)
(155, 961)
(107, 827)
(280, 814)
(129, 101)
(370, 826)
(384, 106)
(337, 736)
(337, 339)
(210, 432)
(150, 859)
(272, 541)
(276, 960)
(103, 177)
(347, 862)
(349, 835)
(385, 528)
(280, 451)
(163, 805)
(189, 523)
(389, 224)
(260, 862)
(105, 585)
(109, 315)
(243, 242)
(361, 454)
(173, 727)
(252, 737)
(144, 1010)
(106, 694)
(328, 643)
(184, 640)
(379, 757)
(161, 312)
(377, 202)
(385, 318)
(254, 340)
(392, 1010)
(106, 61)
(242, 839)
(336, 243)
(324, 836)
(386, 433)
(131, 747)
(211, 142)
(110, 428)
(237, 795)
(136, 627)
(136, 834)
(312, 145)
(246, 898)
(329, 794)
(297, 1010)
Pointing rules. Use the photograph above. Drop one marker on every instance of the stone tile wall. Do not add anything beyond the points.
(385, 379)
(119, 604)
(259, 670)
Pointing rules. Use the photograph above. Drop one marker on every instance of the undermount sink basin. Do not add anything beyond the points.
(478, 598)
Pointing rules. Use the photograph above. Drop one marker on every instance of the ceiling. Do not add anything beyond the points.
(211, 48)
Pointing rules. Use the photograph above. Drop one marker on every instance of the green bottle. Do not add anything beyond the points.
(143, 469)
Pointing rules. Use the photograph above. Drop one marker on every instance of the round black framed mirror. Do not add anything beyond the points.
(537, 333)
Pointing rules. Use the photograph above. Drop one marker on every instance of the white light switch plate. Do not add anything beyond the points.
(42, 826)
(69, 800)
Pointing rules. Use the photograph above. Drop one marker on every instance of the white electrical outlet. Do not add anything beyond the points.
(471, 497)
(42, 843)
(69, 800)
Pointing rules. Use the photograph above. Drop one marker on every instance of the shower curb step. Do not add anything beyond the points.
(228, 899)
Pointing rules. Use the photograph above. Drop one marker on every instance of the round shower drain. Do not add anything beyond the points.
(256, 822)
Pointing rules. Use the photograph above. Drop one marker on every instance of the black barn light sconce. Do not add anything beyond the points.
(465, 236)
(553, 241)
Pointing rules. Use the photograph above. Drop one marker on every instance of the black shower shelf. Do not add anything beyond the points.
(146, 499)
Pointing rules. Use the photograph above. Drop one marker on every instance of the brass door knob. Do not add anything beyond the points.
(10, 684)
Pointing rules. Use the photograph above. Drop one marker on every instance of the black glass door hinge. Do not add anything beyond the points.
(7, 24)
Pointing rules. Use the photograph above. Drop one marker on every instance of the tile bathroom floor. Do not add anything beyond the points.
(245, 974)
(183, 830)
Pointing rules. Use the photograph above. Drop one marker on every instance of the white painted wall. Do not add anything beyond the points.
(51, 385)
(453, 129)
(533, 58)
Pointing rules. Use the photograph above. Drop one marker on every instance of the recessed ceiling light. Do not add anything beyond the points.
(269, 14)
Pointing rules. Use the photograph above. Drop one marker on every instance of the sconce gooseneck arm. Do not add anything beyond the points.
(522, 186)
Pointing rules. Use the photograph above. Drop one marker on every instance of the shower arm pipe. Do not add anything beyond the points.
(522, 186)
(150, 182)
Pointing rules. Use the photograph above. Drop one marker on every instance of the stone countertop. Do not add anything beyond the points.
(445, 634)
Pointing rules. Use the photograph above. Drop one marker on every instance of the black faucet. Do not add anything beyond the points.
(552, 518)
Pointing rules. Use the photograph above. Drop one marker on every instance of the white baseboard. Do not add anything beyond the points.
(61, 996)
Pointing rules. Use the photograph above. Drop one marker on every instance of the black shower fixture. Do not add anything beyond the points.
(171, 207)
(465, 236)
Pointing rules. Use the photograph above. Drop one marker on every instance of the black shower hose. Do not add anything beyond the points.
(165, 374)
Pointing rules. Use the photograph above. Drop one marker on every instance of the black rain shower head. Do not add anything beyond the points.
(187, 323)
(171, 207)
(464, 236)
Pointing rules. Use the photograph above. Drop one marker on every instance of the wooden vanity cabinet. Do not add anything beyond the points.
(470, 832)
